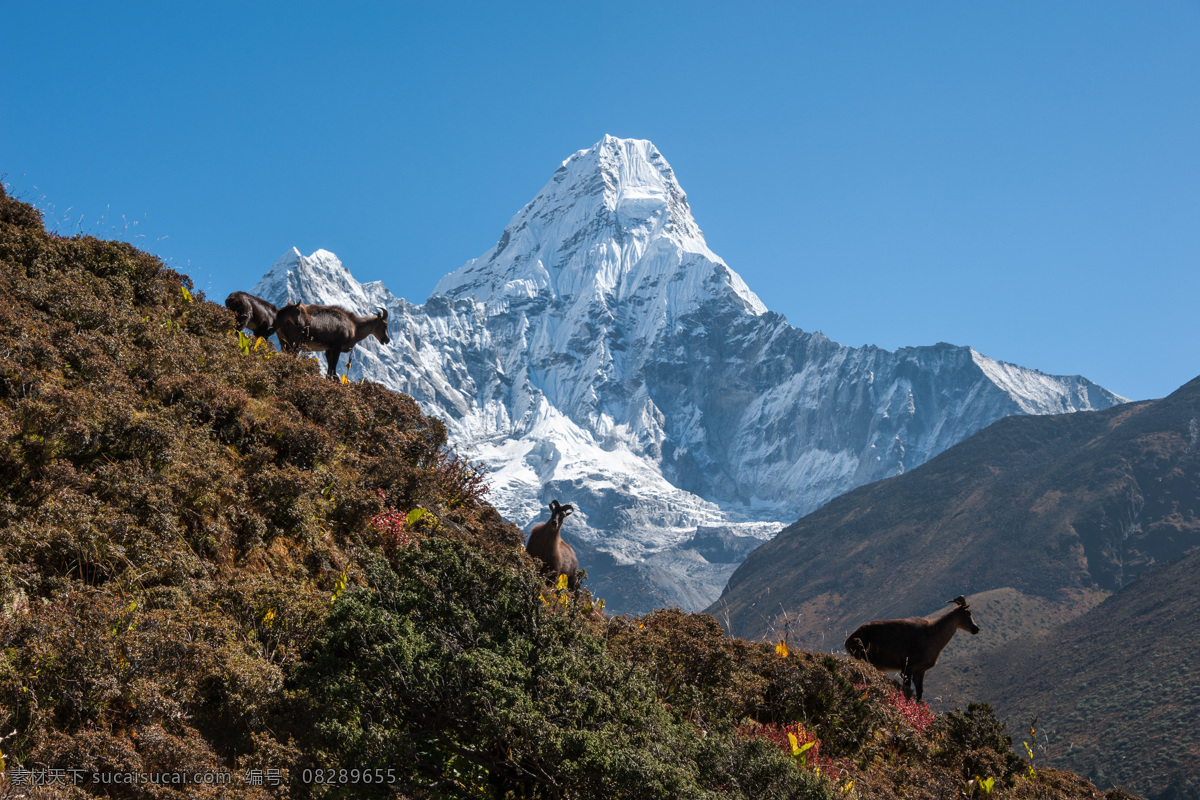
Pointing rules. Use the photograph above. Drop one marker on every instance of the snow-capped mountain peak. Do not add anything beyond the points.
(601, 355)
(613, 223)
(297, 278)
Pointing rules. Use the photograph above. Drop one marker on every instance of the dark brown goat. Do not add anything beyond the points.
(330, 329)
(546, 545)
(910, 645)
(253, 313)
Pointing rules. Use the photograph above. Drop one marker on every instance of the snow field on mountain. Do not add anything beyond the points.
(601, 355)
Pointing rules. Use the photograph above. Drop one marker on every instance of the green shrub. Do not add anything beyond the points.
(974, 742)
(448, 665)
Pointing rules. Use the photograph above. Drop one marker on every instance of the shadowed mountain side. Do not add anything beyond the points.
(1061, 509)
(1116, 691)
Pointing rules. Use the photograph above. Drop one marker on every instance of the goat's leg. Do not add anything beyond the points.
(919, 680)
(907, 676)
(332, 356)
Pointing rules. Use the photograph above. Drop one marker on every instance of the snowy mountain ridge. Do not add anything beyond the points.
(601, 354)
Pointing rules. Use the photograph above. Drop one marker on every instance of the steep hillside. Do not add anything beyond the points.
(222, 576)
(1052, 512)
(1116, 691)
(175, 513)
(601, 354)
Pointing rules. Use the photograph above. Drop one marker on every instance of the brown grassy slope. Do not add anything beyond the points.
(1061, 510)
(1117, 690)
(174, 513)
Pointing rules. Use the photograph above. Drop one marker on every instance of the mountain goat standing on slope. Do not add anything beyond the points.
(331, 329)
(910, 645)
(546, 545)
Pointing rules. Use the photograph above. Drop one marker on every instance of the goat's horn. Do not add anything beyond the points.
(554, 505)
(383, 312)
(961, 600)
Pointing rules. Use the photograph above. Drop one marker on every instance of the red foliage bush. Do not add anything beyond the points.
(915, 714)
(778, 735)
(392, 524)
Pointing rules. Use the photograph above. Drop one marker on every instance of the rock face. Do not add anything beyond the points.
(602, 355)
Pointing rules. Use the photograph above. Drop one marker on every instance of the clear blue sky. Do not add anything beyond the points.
(1021, 177)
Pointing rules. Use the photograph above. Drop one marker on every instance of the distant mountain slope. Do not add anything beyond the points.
(601, 354)
(1116, 691)
(1058, 511)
